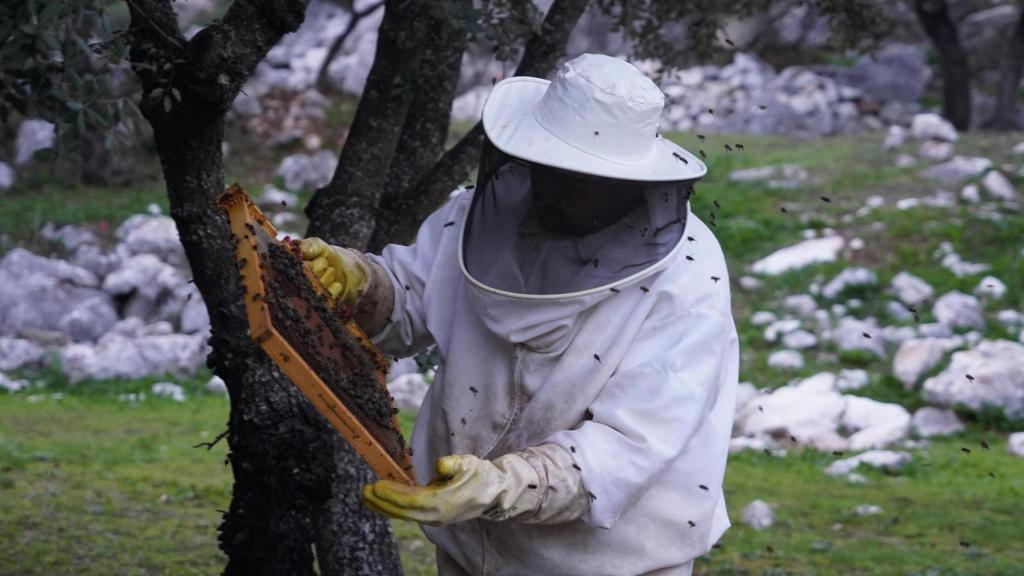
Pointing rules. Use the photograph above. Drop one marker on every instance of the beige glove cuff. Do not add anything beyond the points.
(563, 497)
(376, 301)
(519, 493)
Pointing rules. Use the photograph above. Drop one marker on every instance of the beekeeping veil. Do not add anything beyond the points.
(576, 189)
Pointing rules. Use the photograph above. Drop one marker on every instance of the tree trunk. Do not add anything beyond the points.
(343, 211)
(956, 79)
(1005, 114)
(289, 466)
(402, 216)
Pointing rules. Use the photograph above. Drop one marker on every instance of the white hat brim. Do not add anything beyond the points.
(510, 125)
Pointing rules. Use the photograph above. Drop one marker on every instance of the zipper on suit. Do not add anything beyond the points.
(516, 403)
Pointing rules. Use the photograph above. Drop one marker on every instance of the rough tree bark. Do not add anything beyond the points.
(294, 477)
(403, 211)
(1005, 114)
(956, 79)
(342, 212)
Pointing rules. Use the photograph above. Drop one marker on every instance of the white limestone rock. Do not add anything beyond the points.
(7, 177)
(274, 197)
(809, 411)
(931, 126)
(996, 369)
(897, 335)
(858, 334)
(12, 385)
(745, 392)
(169, 390)
(759, 442)
(758, 515)
(89, 318)
(970, 194)
(119, 356)
(999, 186)
(849, 277)
(762, 317)
(894, 138)
(800, 304)
(216, 385)
(1010, 318)
(799, 340)
(799, 255)
(883, 459)
(749, 283)
(780, 327)
(935, 150)
(33, 135)
(958, 169)
(910, 289)
(786, 360)
(930, 421)
(18, 353)
(408, 391)
(785, 176)
(874, 424)
(959, 310)
(850, 379)
(990, 287)
(915, 357)
(904, 160)
(1015, 444)
(867, 510)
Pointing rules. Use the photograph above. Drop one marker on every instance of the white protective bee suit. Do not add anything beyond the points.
(608, 359)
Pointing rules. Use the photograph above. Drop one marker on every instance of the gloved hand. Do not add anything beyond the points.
(466, 487)
(342, 271)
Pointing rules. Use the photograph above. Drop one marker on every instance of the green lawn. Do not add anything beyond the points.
(93, 485)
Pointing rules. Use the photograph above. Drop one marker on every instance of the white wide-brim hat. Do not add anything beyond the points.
(598, 116)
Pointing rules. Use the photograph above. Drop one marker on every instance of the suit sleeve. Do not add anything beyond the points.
(650, 409)
(410, 268)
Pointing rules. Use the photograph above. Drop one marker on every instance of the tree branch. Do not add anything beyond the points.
(540, 55)
(223, 55)
(339, 42)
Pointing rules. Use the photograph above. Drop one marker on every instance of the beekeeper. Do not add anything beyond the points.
(580, 417)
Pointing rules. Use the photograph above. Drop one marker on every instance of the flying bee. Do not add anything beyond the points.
(825, 199)
(728, 148)
(969, 377)
(598, 358)
(716, 279)
(447, 224)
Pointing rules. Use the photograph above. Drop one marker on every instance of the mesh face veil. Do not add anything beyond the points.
(537, 230)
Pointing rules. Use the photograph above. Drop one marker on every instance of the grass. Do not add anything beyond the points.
(90, 484)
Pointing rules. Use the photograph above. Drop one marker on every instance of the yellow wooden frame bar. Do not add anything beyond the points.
(243, 214)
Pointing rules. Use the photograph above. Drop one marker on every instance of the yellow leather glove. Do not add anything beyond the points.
(342, 271)
(466, 487)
